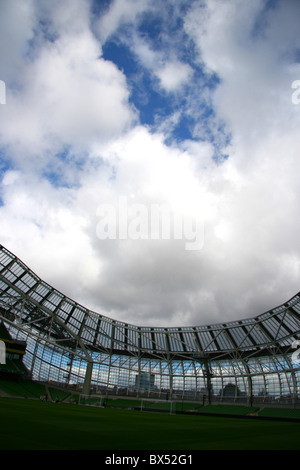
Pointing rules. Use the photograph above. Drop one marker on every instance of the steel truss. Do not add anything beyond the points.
(74, 344)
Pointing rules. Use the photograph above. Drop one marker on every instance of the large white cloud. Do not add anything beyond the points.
(66, 94)
(69, 97)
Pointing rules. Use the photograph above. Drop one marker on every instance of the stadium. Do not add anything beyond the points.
(56, 347)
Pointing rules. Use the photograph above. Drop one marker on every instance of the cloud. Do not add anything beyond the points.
(255, 70)
(173, 75)
(119, 13)
(69, 113)
(67, 94)
(16, 30)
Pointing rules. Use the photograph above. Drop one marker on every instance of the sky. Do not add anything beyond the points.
(121, 114)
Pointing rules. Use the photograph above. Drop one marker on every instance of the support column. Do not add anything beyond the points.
(249, 381)
(87, 380)
(293, 392)
(204, 360)
(170, 379)
(138, 382)
(208, 374)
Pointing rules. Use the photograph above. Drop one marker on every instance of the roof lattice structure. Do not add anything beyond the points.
(32, 304)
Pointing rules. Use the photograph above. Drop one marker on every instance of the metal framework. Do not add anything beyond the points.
(246, 360)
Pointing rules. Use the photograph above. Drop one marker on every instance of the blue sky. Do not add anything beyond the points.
(187, 105)
(157, 101)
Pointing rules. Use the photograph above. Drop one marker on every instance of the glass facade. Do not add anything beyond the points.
(246, 361)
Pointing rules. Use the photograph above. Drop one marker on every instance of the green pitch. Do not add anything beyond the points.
(28, 424)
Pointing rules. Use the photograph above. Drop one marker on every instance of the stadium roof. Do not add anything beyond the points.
(26, 301)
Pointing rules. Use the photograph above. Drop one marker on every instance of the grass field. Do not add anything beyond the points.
(30, 424)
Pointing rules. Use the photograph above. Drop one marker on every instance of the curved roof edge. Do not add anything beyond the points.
(24, 293)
